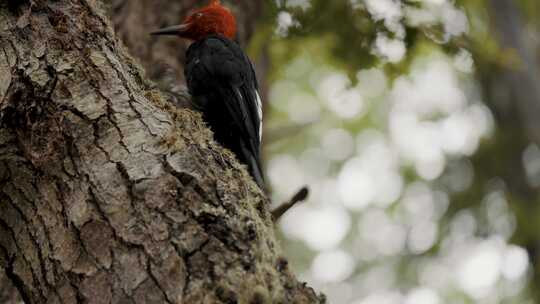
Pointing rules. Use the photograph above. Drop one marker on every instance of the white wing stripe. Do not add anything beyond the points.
(260, 113)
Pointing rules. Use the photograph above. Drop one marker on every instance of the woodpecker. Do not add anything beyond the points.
(222, 82)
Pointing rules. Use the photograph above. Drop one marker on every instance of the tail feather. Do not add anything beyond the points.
(254, 165)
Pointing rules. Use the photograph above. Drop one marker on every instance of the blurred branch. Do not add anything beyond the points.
(299, 197)
(277, 134)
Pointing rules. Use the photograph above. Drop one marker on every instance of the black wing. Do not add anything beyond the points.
(224, 87)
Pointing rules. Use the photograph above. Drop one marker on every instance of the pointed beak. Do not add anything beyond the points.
(177, 30)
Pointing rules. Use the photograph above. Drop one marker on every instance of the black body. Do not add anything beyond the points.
(223, 85)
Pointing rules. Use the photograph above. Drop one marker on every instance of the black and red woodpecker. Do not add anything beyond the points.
(222, 82)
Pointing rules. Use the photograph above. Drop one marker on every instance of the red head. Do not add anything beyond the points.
(211, 19)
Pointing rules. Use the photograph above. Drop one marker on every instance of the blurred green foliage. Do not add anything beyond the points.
(309, 40)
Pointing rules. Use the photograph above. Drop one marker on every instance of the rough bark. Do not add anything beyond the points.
(108, 194)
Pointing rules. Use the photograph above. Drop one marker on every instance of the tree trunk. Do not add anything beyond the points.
(521, 79)
(512, 93)
(8, 292)
(108, 193)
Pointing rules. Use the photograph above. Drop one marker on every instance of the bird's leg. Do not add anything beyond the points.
(299, 197)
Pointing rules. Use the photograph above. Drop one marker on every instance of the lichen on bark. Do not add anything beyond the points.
(110, 194)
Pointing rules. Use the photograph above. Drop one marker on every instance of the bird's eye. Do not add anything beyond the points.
(198, 15)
